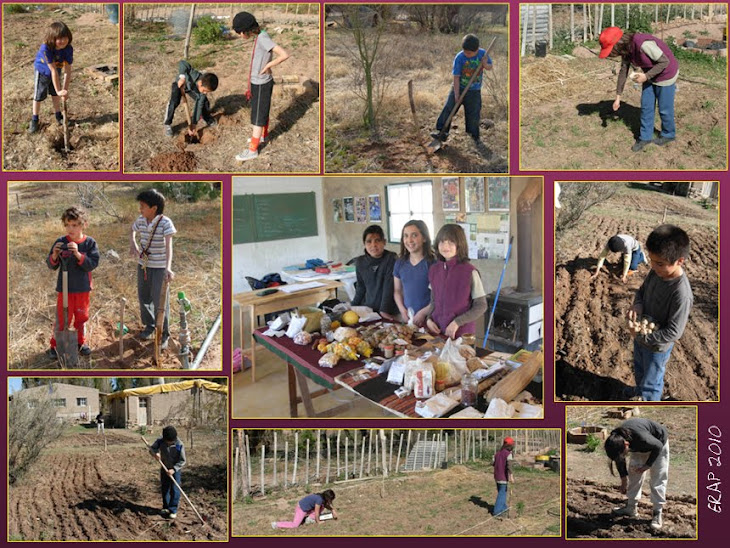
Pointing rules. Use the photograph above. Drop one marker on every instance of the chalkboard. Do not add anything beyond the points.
(264, 217)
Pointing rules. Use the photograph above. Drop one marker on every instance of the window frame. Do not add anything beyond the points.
(428, 182)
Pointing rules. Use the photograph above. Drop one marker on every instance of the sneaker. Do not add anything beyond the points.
(84, 349)
(164, 342)
(627, 510)
(440, 136)
(656, 520)
(164, 512)
(640, 145)
(661, 141)
(262, 140)
(52, 353)
(173, 515)
(147, 333)
(309, 520)
(168, 130)
(247, 154)
(212, 123)
(273, 525)
(33, 127)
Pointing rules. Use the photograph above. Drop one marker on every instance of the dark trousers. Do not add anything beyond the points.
(472, 111)
(149, 291)
(170, 493)
(174, 102)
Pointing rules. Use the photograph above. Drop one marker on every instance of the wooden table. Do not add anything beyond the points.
(276, 302)
(302, 363)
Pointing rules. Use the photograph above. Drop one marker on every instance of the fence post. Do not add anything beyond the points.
(286, 464)
(328, 459)
(572, 23)
(319, 452)
(275, 453)
(370, 449)
(534, 25)
(383, 451)
(248, 460)
(338, 432)
(354, 453)
(186, 50)
(397, 460)
(446, 449)
(390, 454)
(296, 458)
(306, 479)
(347, 447)
(377, 444)
(362, 458)
(613, 15)
(263, 456)
(408, 446)
(585, 24)
(550, 25)
(236, 465)
(524, 30)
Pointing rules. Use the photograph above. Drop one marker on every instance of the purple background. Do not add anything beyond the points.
(710, 526)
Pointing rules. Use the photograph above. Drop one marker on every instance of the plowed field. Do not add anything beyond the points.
(593, 347)
(77, 491)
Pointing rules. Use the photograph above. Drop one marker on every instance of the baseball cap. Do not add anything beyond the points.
(608, 39)
(244, 21)
(509, 441)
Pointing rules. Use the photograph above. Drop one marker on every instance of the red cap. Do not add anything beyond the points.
(608, 39)
(509, 441)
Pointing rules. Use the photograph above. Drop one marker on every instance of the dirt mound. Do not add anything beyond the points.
(171, 162)
(589, 506)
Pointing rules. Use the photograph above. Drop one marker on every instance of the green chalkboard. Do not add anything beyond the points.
(264, 217)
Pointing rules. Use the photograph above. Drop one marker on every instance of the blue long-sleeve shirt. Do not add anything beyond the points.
(79, 271)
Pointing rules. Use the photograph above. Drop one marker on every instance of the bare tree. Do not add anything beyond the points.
(577, 198)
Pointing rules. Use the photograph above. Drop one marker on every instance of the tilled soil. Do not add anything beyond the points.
(76, 491)
(589, 506)
(594, 349)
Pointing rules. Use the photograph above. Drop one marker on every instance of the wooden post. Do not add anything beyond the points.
(248, 460)
(263, 456)
(408, 445)
(397, 460)
(585, 24)
(656, 14)
(347, 446)
(338, 432)
(319, 452)
(415, 456)
(362, 458)
(296, 458)
(236, 465)
(375, 470)
(435, 455)
(613, 15)
(241, 456)
(275, 463)
(572, 23)
(354, 453)
(669, 12)
(306, 480)
(328, 459)
(370, 449)
(550, 25)
(186, 51)
(524, 30)
(286, 464)
(534, 25)
(390, 453)
(383, 452)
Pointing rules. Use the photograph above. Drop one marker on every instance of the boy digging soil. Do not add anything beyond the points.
(630, 249)
(81, 255)
(197, 85)
(666, 298)
(169, 450)
(260, 80)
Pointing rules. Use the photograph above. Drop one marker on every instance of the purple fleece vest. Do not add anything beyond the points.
(451, 286)
(644, 62)
(500, 465)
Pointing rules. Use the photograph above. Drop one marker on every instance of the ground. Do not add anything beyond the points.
(35, 211)
(567, 123)
(400, 143)
(455, 501)
(93, 105)
(294, 143)
(78, 491)
(592, 492)
(593, 347)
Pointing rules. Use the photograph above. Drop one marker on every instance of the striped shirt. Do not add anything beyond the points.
(157, 257)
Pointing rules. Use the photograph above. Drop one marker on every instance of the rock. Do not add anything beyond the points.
(112, 255)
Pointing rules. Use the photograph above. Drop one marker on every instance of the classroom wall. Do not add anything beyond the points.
(260, 258)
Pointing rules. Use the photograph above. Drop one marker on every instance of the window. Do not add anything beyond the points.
(59, 402)
(80, 402)
(406, 201)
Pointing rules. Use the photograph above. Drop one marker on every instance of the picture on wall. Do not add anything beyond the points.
(374, 206)
(337, 213)
(361, 209)
(498, 193)
(450, 193)
(474, 194)
(349, 202)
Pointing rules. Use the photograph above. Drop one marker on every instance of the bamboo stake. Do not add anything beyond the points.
(319, 452)
(275, 453)
(613, 15)
(446, 451)
(585, 24)
(236, 465)
(383, 452)
(248, 460)
(338, 443)
(362, 458)
(329, 456)
(572, 23)
(408, 446)
(390, 454)
(306, 480)
(263, 456)
(550, 25)
(296, 458)
(286, 464)
(354, 453)
(400, 445)
(370, 449)
(347, 460)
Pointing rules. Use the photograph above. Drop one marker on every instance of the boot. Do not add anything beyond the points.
(656, 520)
(628, 510)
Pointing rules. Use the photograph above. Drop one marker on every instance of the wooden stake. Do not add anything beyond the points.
(375, 471)
(572, 23)
(397, 461)
(524, 30)
(328, 459)
(370, 449)
(383, 452)
(319, 452)
(338, 451)
(236, 466)
(390, 453)
(347, 456)
(446, 449)
(306, 480)
(408, 448)
(415, 457)
(248, 461)
(263, 457)
(286, 464)
(362, 458)
(275, 453)
(296, 458)
(585, 24)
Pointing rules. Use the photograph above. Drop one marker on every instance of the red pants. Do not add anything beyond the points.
(78, 311)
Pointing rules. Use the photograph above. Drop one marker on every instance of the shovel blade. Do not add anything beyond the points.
(435, 145)
(67, 348)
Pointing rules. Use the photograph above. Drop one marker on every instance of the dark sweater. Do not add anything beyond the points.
(375, 282)
(201, 107)
(79, 272)
(668, 302)
(647, 436)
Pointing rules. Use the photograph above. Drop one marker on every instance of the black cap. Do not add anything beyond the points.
(243, 22)
(169, 433)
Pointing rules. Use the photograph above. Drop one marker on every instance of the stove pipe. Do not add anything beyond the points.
(525, 211)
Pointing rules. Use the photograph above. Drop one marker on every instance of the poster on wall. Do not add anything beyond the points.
(474, 194)
(471, 239)
(337, 213)
(361, 209)
(498, 193)
(349, 202)
(450, 193)
(374, 207)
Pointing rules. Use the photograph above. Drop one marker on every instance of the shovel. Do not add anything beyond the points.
(66, 339)
(194, 131)
(65, 118)
(438, 142)
(160, 321)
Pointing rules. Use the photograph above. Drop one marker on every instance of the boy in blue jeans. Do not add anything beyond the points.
(666, 298)
(169, 451)
(469, 59)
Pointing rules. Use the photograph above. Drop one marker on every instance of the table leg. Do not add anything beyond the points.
(306, 396)
(292, 392)
(252, 318)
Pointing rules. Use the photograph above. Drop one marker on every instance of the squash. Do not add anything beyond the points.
(516, 381)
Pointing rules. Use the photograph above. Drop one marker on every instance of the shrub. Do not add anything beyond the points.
(190, 192)
(14, 8)
(592, 443)
(207, 31)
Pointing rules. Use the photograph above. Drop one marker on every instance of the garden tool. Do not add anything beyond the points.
(67, 347)
(178, 486)
(160, 320)
(65, 118)
(192, 131)
(438, 142)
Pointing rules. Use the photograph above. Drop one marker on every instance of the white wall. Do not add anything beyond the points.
(260, 258)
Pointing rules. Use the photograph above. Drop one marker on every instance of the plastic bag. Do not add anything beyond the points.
(450, 353)
(436, 406)
(296, 325)
(329, 360)
(499, 409)
(419, 377)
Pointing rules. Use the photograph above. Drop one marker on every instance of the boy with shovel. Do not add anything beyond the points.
(74, 255)
(170, 451)
(469, 60)
(197, 85)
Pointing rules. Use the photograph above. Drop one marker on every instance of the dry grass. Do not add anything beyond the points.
(31, 297)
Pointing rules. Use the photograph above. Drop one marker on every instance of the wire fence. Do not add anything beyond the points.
(265, 460)
(165, 13)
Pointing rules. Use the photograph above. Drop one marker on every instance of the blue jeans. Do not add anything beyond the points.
(637, 257)
(649, 367)
(501, 504)
(170, 493)
(472, 111)
(663, 97)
